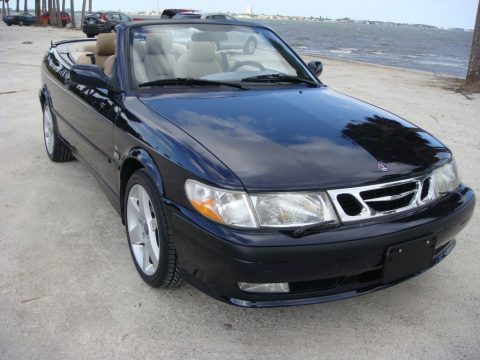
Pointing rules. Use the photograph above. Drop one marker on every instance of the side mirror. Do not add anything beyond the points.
(316, 67)
(88, 75)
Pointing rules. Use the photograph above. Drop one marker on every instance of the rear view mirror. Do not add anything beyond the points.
(316, 67)
(88, 75)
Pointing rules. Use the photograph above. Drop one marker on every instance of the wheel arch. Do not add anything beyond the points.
(137, 159)
(44, 96)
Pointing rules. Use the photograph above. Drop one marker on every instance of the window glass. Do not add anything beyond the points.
(209, 51)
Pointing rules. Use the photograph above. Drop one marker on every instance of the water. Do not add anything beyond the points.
(432, 50)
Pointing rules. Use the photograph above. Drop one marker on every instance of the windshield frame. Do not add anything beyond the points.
(128, 57)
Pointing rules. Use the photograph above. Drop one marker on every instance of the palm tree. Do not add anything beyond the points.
(18, 6)
(59, 15)
(89, 6)
(37, 8)
(83, 11)
(473, 74)
(25, 6)
(63, 5)
(72, 14)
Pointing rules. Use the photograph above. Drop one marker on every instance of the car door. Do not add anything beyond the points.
(93, 115)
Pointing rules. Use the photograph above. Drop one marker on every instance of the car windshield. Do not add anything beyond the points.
(212, 52)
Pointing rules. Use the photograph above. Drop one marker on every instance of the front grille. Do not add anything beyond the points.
(388, 191)
(349, 204)
(391, 205)
(361, 203)
(425, 188)
(390, 198)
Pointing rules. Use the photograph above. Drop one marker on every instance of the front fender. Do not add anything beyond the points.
(138, 158)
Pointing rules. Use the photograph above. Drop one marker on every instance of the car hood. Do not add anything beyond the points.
(293, 139)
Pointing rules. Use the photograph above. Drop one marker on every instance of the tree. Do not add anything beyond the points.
(84, 4)
(53, 13)
(473, 74)
(72, 13)
(59, 15)
(37, 8)
(3, 8)
(25, 6)
(89, 6)
(18, 6)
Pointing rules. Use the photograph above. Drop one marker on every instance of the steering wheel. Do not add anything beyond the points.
(239, 64)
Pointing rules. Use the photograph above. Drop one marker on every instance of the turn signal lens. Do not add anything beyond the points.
(222, 206)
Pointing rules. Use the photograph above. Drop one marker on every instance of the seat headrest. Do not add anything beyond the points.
(106, 44)
(159, 43)
(139, 48)
(201, 51)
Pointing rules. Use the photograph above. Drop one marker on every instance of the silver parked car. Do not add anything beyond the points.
(240, 40)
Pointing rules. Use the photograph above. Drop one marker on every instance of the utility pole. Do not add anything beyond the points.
(473, 74)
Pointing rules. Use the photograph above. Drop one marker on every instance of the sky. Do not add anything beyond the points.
(442, 13)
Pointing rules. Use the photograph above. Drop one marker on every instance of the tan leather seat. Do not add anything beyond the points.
(104, 48)
(200, 60)
(138, 58)
(108, 66)
(159, 60)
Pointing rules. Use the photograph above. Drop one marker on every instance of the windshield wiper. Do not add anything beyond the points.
(189, 82)
(313, 228)
(279, 77)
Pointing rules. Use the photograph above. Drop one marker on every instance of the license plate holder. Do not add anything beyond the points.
(408, 258)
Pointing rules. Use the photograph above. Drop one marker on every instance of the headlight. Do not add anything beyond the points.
(237, 208)
(445, 179)
(293, 209)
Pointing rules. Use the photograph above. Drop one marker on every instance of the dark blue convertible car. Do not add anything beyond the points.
(241, 173)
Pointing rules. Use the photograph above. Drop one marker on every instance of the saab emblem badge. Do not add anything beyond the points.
(382, 167)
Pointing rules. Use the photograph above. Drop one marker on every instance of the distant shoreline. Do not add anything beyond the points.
(153, 15)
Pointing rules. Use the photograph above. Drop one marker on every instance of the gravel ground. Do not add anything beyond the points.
(69, 289)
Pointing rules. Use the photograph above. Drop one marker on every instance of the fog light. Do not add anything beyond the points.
(264, 288)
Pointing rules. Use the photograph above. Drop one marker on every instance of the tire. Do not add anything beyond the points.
(250, 46)
(90, 36)
(56, 150)
(9, 24)
(20, 23)
(146, 223)
(64, 23)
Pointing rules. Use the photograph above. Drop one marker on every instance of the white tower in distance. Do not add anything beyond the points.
(249, 10)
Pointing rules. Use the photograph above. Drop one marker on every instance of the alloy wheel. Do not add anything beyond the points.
(48, 131)
(143, 230)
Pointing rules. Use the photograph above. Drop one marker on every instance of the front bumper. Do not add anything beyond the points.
(326, 266)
